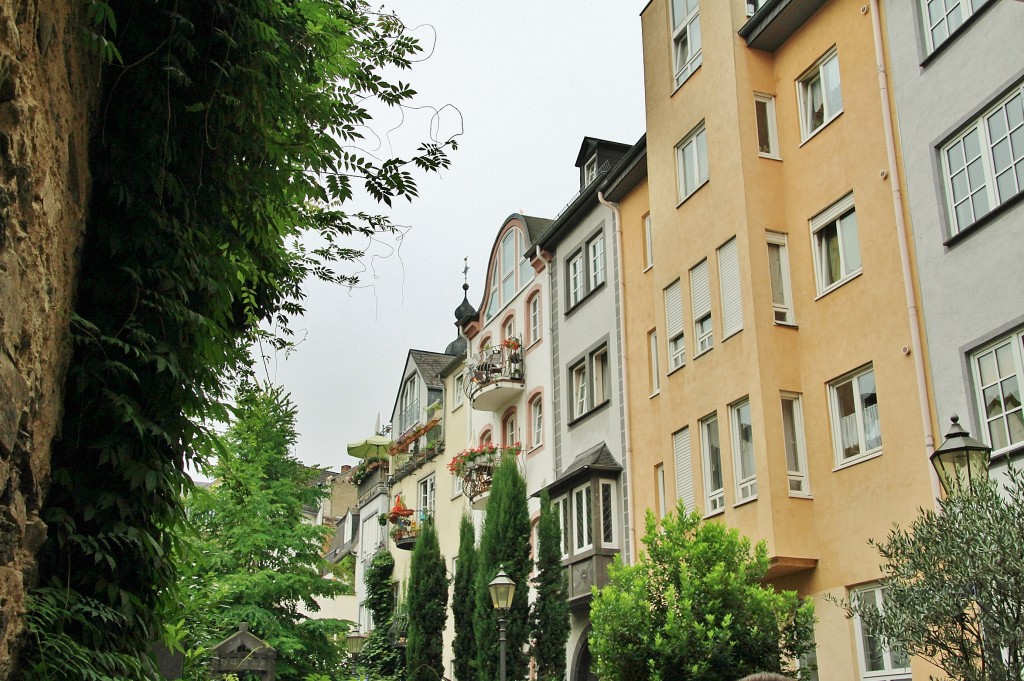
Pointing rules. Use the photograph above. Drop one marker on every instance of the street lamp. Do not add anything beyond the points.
(502, 588)
(354, 642)
(961, 460)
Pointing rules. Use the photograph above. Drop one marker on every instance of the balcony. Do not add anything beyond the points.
(406, 523)
(496, 375)
(775, 21)
(476, 469)
(586, 573)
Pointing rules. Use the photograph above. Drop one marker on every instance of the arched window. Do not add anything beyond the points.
(510, 271)
(536, 427)
(485, 436)
(509, 430)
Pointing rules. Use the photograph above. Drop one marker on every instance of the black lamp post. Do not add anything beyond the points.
(502, 588)
(961, 461)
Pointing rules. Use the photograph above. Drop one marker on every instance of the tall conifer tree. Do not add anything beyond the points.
(428, 608)
(464, 602)
(551, 609)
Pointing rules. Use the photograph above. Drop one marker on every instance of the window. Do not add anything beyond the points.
(714, 488)
(409, 405)
(608, 514)
(509, 273)
(536, 421)
(984, 165)
(778, 273)
(685, 39)
(808, 663)
(819, 95)
(583, 508)
(996, 371)
(590, 170)
(743, 451)
(535, 320)
(652, 361)
(692, 162)
(509, 329)
(943, 17)
(508, 430)
(674, 325)
(648, 248)
(426, 494)
(459, 388)
(836, 245)
(855, 427)
(767, 134)
(700, 295)
(877, 661)
(796, 452)
(729, 288)
(659, 481)
(561, 506)
(590, 382)
(754, 5)
(575, 279)
(596, 261)
(684, 468)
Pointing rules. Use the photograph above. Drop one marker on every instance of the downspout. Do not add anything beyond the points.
(625, 376)
(901, 232)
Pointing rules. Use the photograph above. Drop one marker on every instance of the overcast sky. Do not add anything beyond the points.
(530, 79)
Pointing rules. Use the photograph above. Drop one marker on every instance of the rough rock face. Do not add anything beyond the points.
(46, 91)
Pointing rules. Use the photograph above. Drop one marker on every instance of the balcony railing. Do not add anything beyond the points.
(496, 375)
(406, 524)
(475, 467)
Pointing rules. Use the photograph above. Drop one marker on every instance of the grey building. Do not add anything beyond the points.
(958, 80)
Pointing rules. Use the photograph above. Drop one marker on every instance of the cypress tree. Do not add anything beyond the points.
(464, 602)
(505, 543)
(551, 609)
(428, 607)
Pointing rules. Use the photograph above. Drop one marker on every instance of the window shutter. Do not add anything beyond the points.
(674, 309)
(700, 292)
(729, 284)
(684, 468)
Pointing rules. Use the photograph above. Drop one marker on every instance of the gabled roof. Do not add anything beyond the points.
(597, 459)
(534, 228)
(631, 169)
(430, 365)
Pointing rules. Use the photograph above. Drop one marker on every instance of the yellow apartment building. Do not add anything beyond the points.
(769, 301)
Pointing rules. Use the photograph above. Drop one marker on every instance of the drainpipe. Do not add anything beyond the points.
(625, 373)
(901, 231)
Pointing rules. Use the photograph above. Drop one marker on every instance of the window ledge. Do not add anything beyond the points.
(736, 332)
(801, 495)
(959, 31)
(821, 127)
(649, 268)
(654, 394)
(719, 512)
(534, 449)
(672, 371)
(745, 502)
(839, 284)
(788, 325)
(988, 217)
(1009, 454)
(688, 76)
(703, 352)
(583, 417)
(860, 459)
(770, 157)
(587, 296)
(693, 193)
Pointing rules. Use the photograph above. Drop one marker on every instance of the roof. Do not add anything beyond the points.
(430, 365)
(534, 228)
(776, 21)
(631, 169)
(597, 459)
(590, 144)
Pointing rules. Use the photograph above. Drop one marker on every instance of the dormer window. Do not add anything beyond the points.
(590, 171)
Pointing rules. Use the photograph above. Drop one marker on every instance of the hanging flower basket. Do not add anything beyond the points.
(400, 510)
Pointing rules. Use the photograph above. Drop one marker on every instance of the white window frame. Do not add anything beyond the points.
(589, 170)
(963, 10)
(746, 480)
(859, 417)
(1006, 114)
(714, 498)
(576, 285)
(660, 489)
(537, 421)
(508, 430)
(700, 301)
(508, 330)
(580, 390)
(795, 446)
(652, 362)
(692, 151)
(819, 73)
(612, 506)
(561, 503)
(599, 368)
(426, 494)
(536, 326)
(889, 671)
(771, 126)
(583, 511)
(685, 34)
(850, 262)
(753, 6)
(459, 388)
(648, 244)
(595, 261)
(1007, 363)
(590, 380)
(782, 309)
(675, 325)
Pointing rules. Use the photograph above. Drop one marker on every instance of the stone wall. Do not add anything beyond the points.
(46, 77)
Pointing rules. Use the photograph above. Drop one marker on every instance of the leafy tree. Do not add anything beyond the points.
(464, 603)
(551, 607)
(505, 543)
(379, 657)
(954, 585)
(694, 608)
(252, 558)
(428, 607)
(224, 131)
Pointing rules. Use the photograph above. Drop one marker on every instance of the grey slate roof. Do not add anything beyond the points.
(430, 365)
(535, 227)
(598, 458)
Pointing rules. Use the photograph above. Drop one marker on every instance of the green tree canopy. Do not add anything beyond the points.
(551, 607)
(954, 585)
(693, 608)
(505, 543)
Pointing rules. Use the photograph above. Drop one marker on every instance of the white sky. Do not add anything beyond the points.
(530, 79)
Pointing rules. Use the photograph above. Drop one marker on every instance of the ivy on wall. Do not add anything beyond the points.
(226, 130)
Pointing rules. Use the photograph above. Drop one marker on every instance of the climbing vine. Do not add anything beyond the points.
(226, 130)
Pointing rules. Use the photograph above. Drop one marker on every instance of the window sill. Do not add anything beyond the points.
(769, 157)
(787, 325)
(719, 512)
(988, 217)
(587, 415)
(649, 268)
(688, 76)
(1009, 454)
(534, 449)
(586, 296)
(727, 337)
(801, 495)
(839, 284)
(693, 193)
(959, 31)
(703, 352)
(874, 454)
(457, 407)
(533, 344)
(654, 394)
(745, 502)
(821, 127)
(672, 371)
